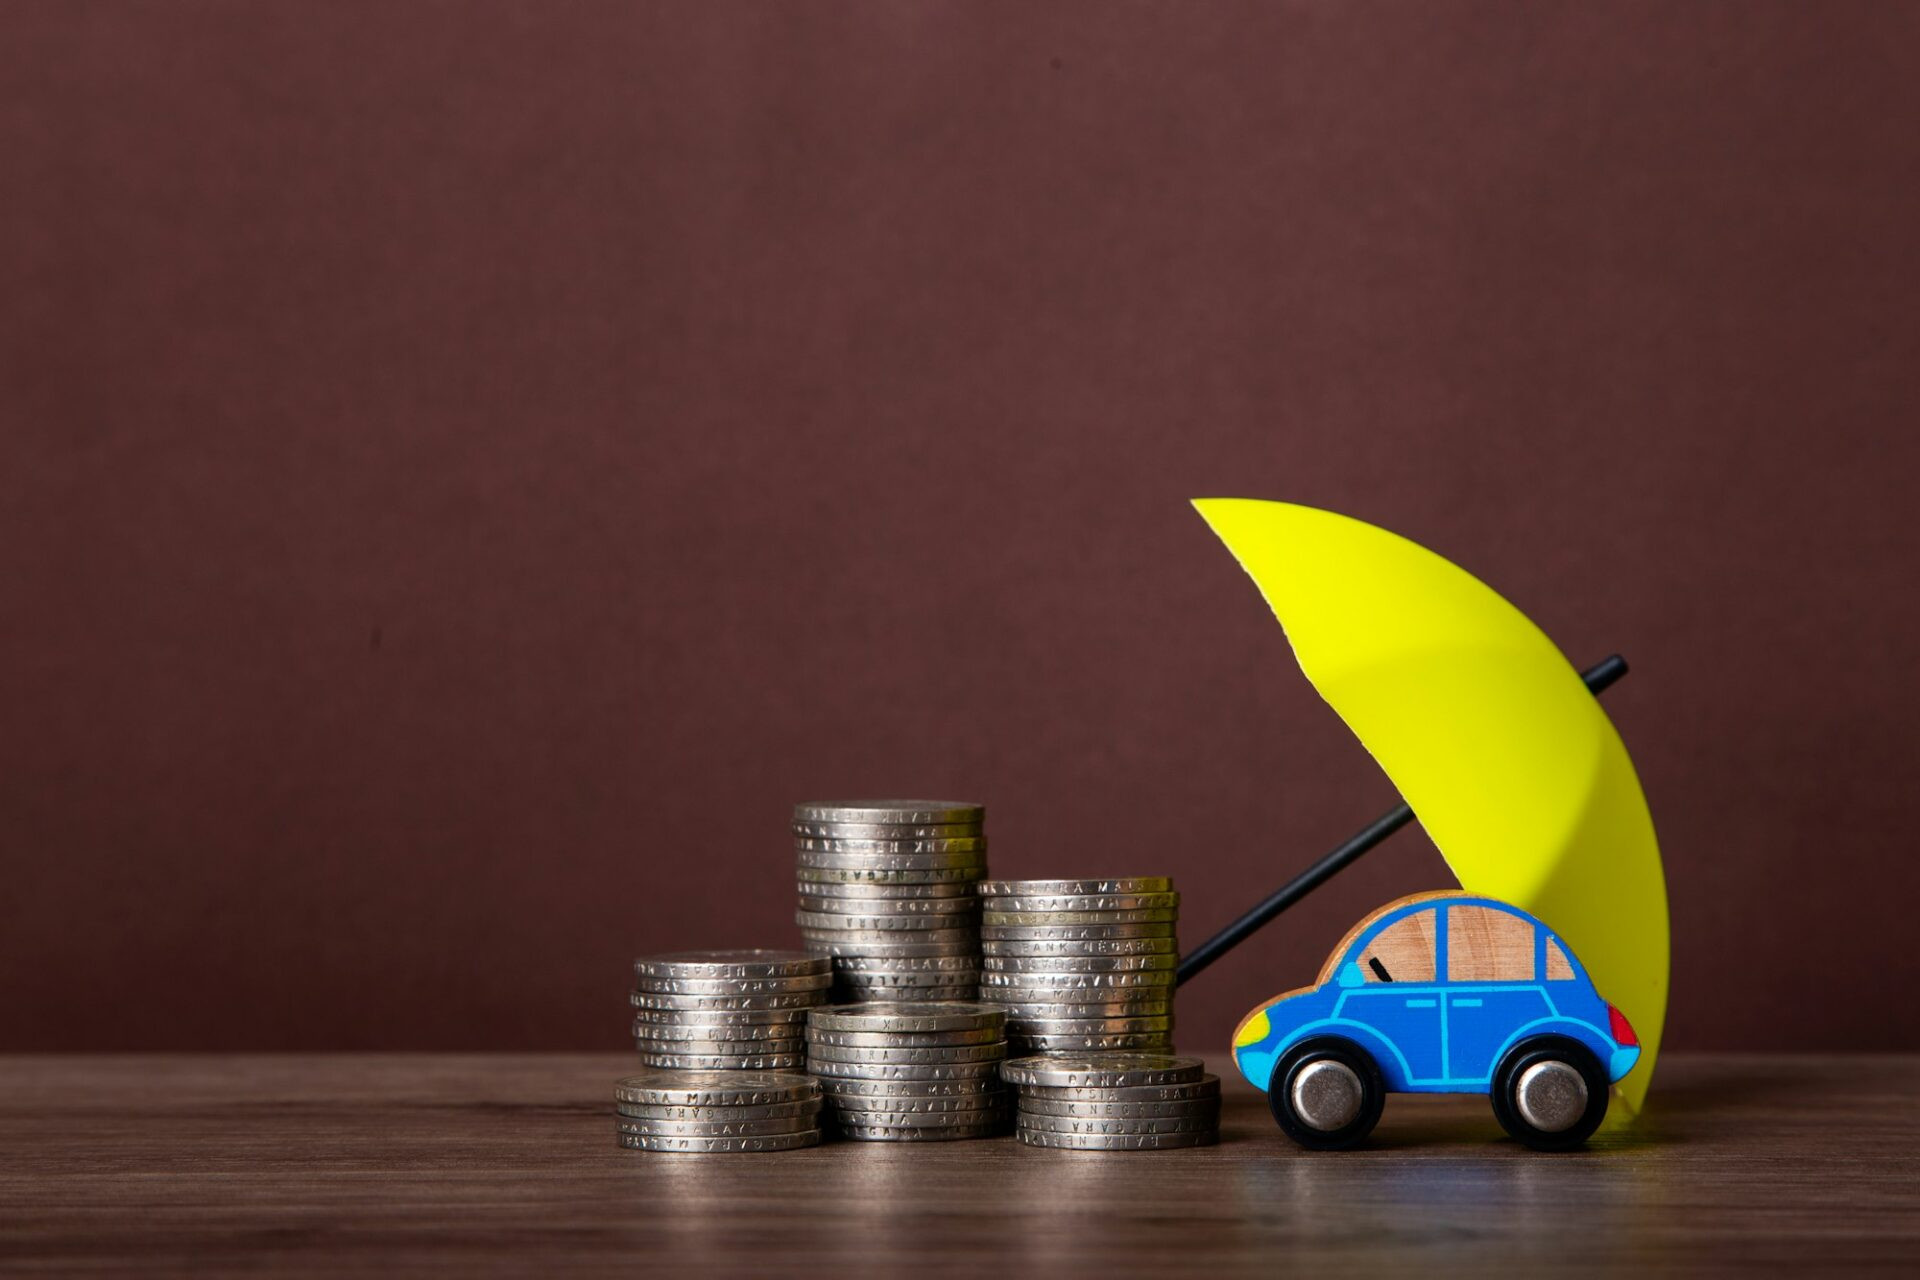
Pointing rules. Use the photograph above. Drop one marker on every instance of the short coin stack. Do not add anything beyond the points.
(726, 1010)
(713, 1111)
(910, 1071)
(1082, 966)
(887, 890)
(1115, 1102)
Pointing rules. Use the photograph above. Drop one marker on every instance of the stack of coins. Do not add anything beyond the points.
(1081, 966)
(710, 1111)
(910, 1072)
(887, 890)
(1115, 1102)
(726, 1010)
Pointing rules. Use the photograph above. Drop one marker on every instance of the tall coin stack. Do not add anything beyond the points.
(726, 1010)
(887, 890)
(713, 1111)
(1115, 1102)
(1082, 966)
(910, 1071)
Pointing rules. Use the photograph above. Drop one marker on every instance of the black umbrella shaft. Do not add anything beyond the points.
(1598, 678)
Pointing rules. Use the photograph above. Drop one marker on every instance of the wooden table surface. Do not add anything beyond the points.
(507, 1164)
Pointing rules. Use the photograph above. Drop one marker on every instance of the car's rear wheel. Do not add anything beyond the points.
(1326, 1093)
(1550, 1092)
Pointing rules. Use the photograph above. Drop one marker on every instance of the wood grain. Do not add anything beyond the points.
(507, 1164)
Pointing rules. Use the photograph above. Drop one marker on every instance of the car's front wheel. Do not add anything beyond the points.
(1550, 1092)
(1326, 1093)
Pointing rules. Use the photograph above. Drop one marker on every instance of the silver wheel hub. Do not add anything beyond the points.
(1326, 1095)
(1550, 1096)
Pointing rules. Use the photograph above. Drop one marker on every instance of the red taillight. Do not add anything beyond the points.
(1622, 1029)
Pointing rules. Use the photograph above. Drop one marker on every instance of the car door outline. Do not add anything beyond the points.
(1410, 1016)
(1482, 1015)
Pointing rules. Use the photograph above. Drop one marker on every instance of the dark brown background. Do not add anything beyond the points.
(470, 467)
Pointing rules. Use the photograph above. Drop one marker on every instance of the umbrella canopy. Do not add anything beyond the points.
(1486, 729)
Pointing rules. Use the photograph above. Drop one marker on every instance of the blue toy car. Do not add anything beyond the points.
(1440, 993)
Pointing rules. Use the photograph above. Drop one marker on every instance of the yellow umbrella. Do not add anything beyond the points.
(1486, 729)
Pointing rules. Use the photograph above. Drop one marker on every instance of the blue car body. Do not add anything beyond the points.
(1437, 1034)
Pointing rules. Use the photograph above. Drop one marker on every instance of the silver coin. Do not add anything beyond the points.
(652, 1046)
(1102, 1070)
(1195, 1108)
(891, 922)
(892, 967)
(879, 992)
(1042, 947)
(872, 994)
(864, 874)
(1164, 962)
(935, 984)
(845, 965)
(1074, 932)
(960, 1104)
(933, 931)
(821, 1054)
(960, 891)
(1082, 1124)
(937, 934)
(729, 964)
(793, 1001)
(722, 1017)
(809, 860)
(904, 1070)
(771, 1111)
(881, 995)
(1207, 1086)
(875, 906)
(715, 1089)
(842, 1089)
(1161, 1022)
(912, 978)
(724, 1062)
(869, 1119)
(715, 1128)
(1053, 1011)
(760, 1037)
(1102, 902)
(1153, 980)
(899, 1133)
(871, 947)
(690, 1146)
(1032, 1025)
(1048, 1042)
(1115, 1141)
(887, 830)
(1077, 888)
(899, 1040)
(739, 1032)
(734, 986)
(892, 813)
(1028, 1038)
(919, 1017)
(1024, 919)
(954, 844)
(1006, 994)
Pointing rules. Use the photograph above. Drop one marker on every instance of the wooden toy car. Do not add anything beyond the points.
(1440, 993)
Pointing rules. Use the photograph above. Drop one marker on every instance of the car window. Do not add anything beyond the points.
(1401, 952)
(1485, 945)
(1559, 968)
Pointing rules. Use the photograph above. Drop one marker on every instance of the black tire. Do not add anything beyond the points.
(1549, 1049)
(1373, 1093)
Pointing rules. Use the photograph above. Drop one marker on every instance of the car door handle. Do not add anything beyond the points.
(1421, 1004)
(1463, 1002)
